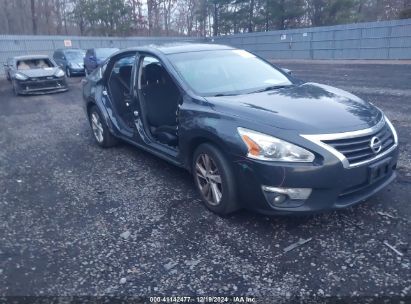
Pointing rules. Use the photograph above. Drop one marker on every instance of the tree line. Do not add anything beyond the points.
(186, 17)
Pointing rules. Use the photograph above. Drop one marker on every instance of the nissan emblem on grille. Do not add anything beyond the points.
(375, 144)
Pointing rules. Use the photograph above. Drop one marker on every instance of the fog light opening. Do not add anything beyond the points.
(291, 193)
(279, 199)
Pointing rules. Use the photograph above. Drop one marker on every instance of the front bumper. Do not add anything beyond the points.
(333, 186)
(41, 86)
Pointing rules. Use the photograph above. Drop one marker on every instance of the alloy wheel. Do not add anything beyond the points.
(97, 127)
(208, 179)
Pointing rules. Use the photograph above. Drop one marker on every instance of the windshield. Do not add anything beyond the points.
(29, 64)
(105, 52)
(226, 72)
(74, 55)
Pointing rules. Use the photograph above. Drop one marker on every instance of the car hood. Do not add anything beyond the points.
(39, 72)
(309, 108)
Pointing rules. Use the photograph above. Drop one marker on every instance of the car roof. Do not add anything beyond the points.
(31, 57)
(173, 48)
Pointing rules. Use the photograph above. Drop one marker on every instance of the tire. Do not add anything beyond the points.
(8, 76)
(101, 134)
(68, 73)
(217, 164)
(85, 72)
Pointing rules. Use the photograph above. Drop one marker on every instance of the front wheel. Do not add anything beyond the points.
(214, 179)
(100, 130)
(68, 73)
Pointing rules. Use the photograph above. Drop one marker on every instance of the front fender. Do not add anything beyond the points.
(199, 126)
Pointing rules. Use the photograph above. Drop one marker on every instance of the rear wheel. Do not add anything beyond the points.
(100, 130)
(214, 179)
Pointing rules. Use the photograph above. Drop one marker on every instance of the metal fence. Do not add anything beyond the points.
(17, 45)
(373, 40)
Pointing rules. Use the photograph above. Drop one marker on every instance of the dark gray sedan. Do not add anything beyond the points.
(35, 74)
(252, 135)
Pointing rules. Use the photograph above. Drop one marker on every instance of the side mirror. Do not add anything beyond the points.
(287, 71)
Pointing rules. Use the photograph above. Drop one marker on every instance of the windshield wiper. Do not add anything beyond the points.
(224, 94)
(270, 88)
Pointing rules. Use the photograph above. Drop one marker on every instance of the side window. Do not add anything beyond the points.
(120, 79)
(148, 72)
(121, 72)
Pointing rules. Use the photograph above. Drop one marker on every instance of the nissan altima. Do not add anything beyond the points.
(252, 135)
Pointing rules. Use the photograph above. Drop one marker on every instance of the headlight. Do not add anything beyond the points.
(60, 73)
(394, 132)
(20, 76)
(265, 147)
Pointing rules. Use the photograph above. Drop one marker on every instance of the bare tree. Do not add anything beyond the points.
(33, 16)
(186, 17)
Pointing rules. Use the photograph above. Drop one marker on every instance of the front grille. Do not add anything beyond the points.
(45, 84)
(358, 149)
(42, 78)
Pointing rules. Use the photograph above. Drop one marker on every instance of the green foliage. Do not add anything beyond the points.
(331, 12)
(105, 17)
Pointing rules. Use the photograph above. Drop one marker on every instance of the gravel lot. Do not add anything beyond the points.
(76, 219)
